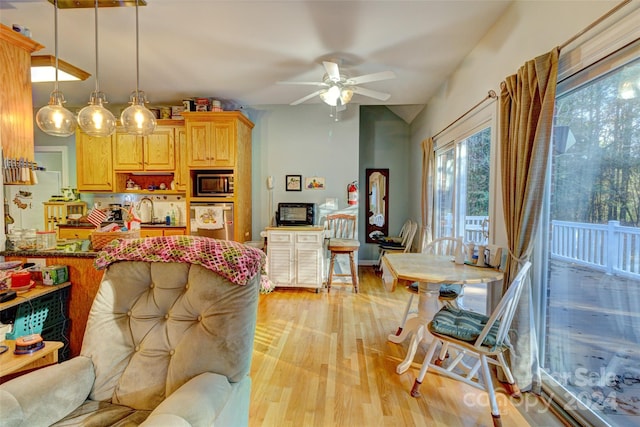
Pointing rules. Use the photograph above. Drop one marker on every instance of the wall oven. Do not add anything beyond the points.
(213, 220)
(213, 183)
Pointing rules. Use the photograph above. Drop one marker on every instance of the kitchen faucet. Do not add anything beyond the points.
(145, 198)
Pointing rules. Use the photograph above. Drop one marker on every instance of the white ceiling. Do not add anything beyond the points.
(236, 50)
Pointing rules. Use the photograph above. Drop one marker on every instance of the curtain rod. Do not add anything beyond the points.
(490, 95)
(594, 23)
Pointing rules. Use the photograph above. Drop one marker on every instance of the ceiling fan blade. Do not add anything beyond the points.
(332, 70)
(311, 95)
(374, 77)
(371, 93)
(323, 84)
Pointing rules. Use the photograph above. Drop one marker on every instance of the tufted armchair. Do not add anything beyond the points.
(167, 343)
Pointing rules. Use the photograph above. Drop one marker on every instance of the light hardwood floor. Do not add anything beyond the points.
(323, 360)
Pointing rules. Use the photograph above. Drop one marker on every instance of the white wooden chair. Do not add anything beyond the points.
(342, 231)
(473, 334)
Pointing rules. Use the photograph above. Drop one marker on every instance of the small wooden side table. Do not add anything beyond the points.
(11, 363)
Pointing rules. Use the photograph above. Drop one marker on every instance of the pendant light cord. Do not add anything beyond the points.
(55, 41)
(96, 25)
(137, 55)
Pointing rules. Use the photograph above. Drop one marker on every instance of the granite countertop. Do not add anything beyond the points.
(154, 225)
(50, 253)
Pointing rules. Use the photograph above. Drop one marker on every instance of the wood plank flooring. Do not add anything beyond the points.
(322, 359)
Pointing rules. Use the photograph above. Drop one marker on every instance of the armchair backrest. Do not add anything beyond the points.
(155, 325)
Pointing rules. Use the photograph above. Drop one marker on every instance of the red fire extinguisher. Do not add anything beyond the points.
(352, 193)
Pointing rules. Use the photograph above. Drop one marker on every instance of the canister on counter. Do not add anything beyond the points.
(46, 240)
(54, 274)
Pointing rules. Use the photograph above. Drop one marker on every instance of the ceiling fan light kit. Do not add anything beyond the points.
(337, 89)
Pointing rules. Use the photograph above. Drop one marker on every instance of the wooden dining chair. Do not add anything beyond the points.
(341, 229)
(485, 338)
(392, 240)
(405, 244)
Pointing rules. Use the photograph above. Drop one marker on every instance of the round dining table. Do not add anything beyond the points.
(430, 271)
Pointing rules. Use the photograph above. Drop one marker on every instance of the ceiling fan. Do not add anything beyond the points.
(337, 89)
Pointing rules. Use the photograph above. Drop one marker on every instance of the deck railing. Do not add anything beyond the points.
(609, 247)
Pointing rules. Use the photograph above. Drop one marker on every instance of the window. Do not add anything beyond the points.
(462, 196)
(591, 344)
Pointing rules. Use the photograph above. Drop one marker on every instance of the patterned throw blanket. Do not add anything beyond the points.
(236, 262)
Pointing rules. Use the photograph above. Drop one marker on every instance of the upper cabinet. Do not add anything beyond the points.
(94, 164)
(213, 137)
(155, 152)
(16, 104)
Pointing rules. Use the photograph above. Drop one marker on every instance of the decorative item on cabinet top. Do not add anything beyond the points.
(19, 171)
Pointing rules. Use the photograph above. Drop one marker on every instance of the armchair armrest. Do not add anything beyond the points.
(47, 395)
(198, 402)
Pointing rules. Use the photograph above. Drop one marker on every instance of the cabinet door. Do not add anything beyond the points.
(181, 176)
(94, 164)
(308, 266)
(174, 231)
(281, 264)
(198, 153)
(127, 152)
(159, 150)
(223, 143)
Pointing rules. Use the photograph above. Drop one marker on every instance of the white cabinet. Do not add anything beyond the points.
(295, 256)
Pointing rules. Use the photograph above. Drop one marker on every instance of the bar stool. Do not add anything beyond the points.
(342, 230)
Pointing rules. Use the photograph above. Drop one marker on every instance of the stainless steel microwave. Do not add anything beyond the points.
(218, 183)
(296, 214)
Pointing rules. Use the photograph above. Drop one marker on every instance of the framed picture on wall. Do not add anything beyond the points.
(314, 183)
(293, 183)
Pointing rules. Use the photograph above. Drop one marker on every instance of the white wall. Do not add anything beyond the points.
(527, 29)
(301, 140)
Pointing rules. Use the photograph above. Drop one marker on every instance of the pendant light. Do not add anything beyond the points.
(137, 119)
(95, 119)
(53, 119)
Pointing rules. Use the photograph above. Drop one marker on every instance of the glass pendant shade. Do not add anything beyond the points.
(138, 119)
(95, 119)
(54, 119)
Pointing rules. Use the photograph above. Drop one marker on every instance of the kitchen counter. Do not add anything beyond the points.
(142, 226)
(49, 253)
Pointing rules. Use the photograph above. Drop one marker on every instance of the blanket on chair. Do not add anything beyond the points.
(236, 262)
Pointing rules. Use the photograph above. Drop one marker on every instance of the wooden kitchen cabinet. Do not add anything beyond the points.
(210, 143)
(295, 256)
(74, 233)
(94, 162)
(155, 152)
(161, 231)
(181, 175)
(222, 140)
(16, 102)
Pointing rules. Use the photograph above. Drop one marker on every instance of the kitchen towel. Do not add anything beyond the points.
(209, 217)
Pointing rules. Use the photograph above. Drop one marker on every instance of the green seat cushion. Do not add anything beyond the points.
(449, 291)
(464, 325)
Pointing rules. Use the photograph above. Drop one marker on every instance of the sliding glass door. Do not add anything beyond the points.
(591, 336)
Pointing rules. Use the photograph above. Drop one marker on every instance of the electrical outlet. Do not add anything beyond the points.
(40, 262)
